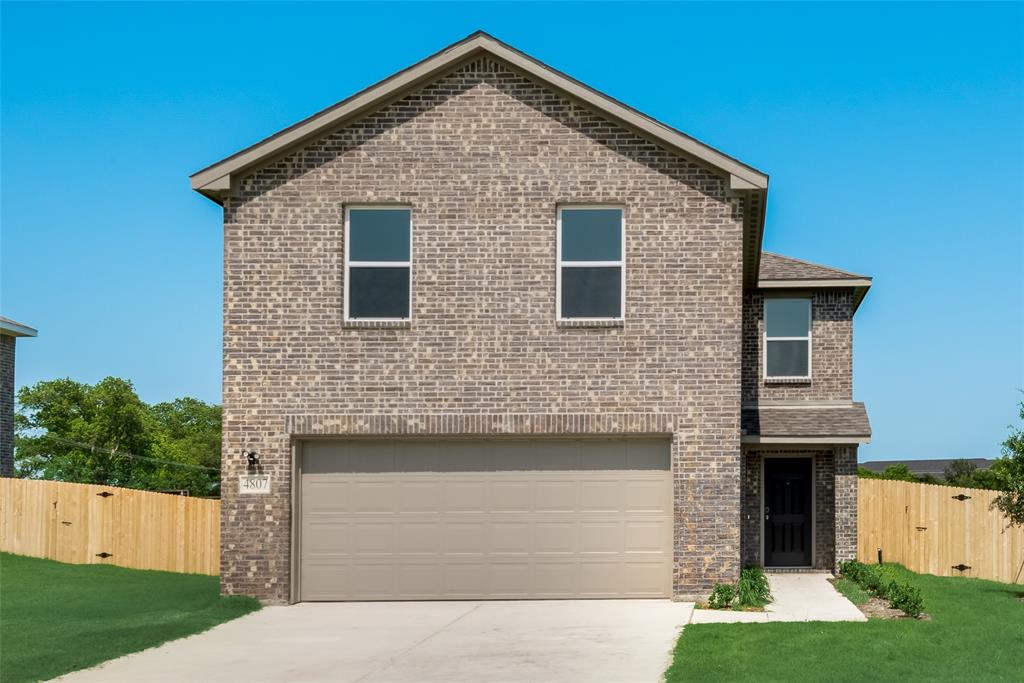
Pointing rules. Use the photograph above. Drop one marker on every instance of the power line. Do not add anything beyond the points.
(123, 454)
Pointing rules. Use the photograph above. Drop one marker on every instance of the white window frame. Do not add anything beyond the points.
(765, 338)
(621, 263)
(374, 264)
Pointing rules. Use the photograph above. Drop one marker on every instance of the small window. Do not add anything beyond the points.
(378, 247)
(787, 338)
(591, 282)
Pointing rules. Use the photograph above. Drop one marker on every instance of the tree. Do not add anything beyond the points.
(865, 473)
(960, 472)
(1010, 471)
(71, 431)
(105, 434)
(899, 472)
(186, 431)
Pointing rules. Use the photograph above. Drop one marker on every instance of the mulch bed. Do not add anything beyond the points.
(879, 608)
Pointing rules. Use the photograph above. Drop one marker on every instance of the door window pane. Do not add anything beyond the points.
(592, 292)
(378, 234)
(786, 358)
(378, 292)
(787, 317)
(591, 234)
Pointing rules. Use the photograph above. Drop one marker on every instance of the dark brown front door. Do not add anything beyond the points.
(787, 512)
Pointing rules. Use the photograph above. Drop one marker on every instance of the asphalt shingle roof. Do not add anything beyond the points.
(778, 267)
(848, 421)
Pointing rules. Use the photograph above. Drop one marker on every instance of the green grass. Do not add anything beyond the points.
(56, 618)
(852, 591)
(976, 634)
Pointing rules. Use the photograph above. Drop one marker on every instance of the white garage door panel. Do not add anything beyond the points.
(485, 519)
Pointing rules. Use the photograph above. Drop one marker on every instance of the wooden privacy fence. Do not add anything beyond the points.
(89, 524)
(942, 530)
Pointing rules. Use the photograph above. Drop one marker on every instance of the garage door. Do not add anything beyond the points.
(459, 519)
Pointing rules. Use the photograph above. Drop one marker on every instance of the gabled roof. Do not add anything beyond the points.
(11, 328)
(784, 272)
(806, 424)
(215, 181)
(210, 179)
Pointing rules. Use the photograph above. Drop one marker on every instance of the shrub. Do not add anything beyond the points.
(870, 578)
(883, 581)
(722, 596)
(907, 598)
(753, 589)
(852, 569)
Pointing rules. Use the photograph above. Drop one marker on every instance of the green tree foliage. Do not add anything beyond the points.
(960, 472)
(865, 473)
(105, 434)
(899, 472)
(1010, 471)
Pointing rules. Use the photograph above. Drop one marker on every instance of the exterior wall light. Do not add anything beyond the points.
(252, 458)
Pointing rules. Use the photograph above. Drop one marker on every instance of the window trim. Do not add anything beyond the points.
(764, 339)
(559, 264)
(349, 264)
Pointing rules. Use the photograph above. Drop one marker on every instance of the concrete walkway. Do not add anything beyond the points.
(798, 597)
(499, 641)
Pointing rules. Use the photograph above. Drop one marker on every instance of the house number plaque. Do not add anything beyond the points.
(254, 483)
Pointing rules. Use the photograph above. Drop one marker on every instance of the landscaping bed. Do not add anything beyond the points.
(879, 592)
(976, 633)
(750, 594)
(60, 617)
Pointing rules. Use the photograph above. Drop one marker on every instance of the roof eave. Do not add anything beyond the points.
(10, 328)
(859, 285)
(801, 440)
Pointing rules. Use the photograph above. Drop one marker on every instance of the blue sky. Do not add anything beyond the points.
(893, 134)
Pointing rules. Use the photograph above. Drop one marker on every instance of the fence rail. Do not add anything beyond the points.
(942, 530)
(89, 524)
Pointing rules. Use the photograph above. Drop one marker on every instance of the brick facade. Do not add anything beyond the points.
(7, 344)
(483, 157)
(831, 350)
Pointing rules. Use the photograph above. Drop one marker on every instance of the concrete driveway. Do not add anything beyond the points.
(556, 640)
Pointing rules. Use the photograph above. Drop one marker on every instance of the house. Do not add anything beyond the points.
(489, 333)
(926, 468)
(9, 333)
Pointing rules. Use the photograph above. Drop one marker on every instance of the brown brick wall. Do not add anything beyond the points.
(7, 405)
(483, 157)
(835, 504)
(846, 503)
(831, 350)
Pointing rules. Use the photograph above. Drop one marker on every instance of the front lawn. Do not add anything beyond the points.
(56, 618)
(976, 633)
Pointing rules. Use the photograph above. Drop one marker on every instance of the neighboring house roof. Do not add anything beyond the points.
(827, 423)
(936, 468)
(784, 272)
(215, 181)
(12, 328)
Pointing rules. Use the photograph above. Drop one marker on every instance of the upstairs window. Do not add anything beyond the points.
(591, 267)
(787, 338)
(378, 263)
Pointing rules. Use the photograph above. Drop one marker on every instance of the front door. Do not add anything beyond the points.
(787, 512)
